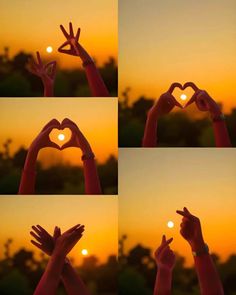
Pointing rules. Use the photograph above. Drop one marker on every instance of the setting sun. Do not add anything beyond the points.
(84, 252)
(49, 49)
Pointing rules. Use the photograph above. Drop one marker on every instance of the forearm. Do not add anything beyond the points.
(150, 132)
(91, 178)
(208, 277)
(96, 83)
(49, 282)
(163, 282)
(72, 282)
(221, 134)
(28, 176)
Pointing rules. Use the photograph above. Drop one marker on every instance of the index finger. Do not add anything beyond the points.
(64, 32)
(163, 245)
(173, 86)
(184, 213)
(39, 58)
(191, 84)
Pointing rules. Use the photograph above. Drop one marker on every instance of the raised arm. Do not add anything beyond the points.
(92, 182)
(63, 245)
(28, 176)
(162, 107)
(208, 277)
(165, 260)
(206, 104)
(96, 83)
(46, 72)
(45, 242)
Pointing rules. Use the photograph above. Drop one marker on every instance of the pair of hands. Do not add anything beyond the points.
(202, 99)
(58, 244)
(77, 138)
(190, 229)
(47, 72)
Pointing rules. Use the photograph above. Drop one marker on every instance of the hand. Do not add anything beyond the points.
(166, 102)
(203, 100)
(164, 256)
(191, 229)
(46, 72)
(65, 243)
(75, 48)
(43, 140)
(46, 242)
(77, 138)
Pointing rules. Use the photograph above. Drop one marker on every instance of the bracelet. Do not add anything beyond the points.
(218, 118)
(205, 250)
(88, 156)
(88, 62)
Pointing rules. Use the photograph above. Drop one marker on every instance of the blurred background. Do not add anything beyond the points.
(162, 42)
(156, 183)
(22, 264)
(30, 26)
(58, 172)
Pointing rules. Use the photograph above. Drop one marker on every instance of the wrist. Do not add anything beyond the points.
(165, 270)
(197, 245)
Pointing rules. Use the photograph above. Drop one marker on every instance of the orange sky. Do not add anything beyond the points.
(161, 42)
(33, 25)
(154, 183)
(98, 214)
(23, 119)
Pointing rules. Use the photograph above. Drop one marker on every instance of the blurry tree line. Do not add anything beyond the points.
(57, 179)
(175, 129)
(137, 273)
(16, 80)
(20, 273)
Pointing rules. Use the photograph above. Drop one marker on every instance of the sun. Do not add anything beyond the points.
(84, 252)
(61, 137)
(183, 96)
(170, 224)
(49, 49)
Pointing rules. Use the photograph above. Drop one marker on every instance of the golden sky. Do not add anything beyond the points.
(33, 25)
(154, 183)
(98, 214)
(161, 42)
(23, 119)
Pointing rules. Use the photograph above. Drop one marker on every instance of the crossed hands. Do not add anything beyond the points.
(77, 138)
(58, 244)
(201, 98)
(190, 229)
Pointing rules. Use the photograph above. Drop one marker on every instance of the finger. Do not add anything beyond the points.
(71, 30)
(57, 233)
(192, 85)
(64, 32)
(39, 59)
(35, 236)
(77, 35)
(178, 104)
(67, 145)
(70, 230)
(184, 214)
(53, 122)
(37, 244)
(51, 66)
(163, 246)
(36, 230)
(163, 239)
(173, 86)
(42, 229)
(193, 98)
(54, 145)
(68, 121)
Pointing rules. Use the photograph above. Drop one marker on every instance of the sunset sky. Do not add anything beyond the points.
(98, 214)
(34, 25)
(161, 42)
(23, 119)
(154, 184)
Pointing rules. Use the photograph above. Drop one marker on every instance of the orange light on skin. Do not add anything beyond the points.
(84, 252)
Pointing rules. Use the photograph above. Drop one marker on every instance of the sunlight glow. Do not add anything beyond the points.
(170, 224)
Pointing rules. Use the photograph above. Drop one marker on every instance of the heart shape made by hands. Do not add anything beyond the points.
(183, 93)
(60, 136)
